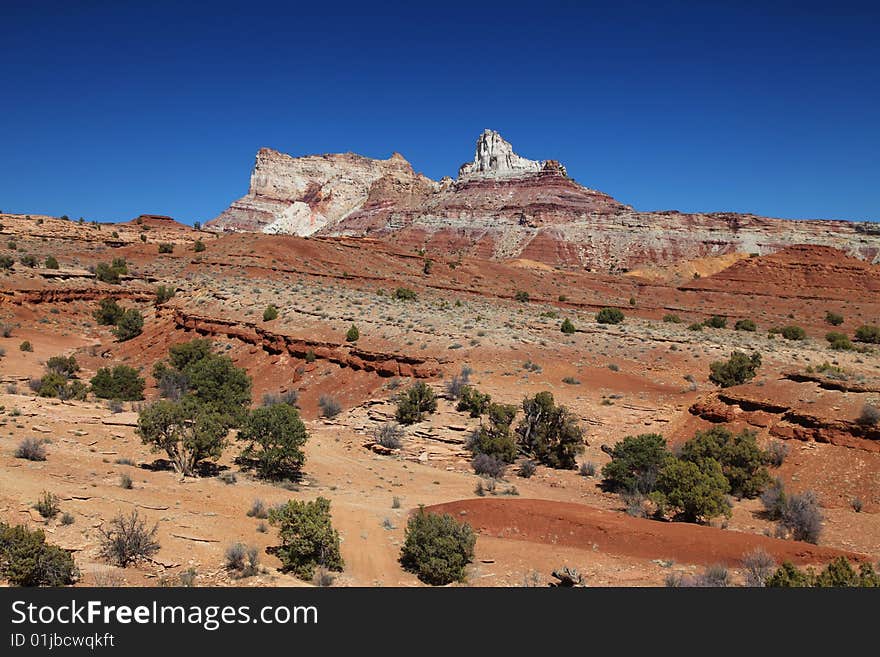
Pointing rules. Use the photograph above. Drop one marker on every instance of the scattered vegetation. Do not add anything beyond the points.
(389, 435)
(121, 382)
(129, 325)
(735, 371)
(308, 539)
(745, 325)
(47, 505)
(610, 316)
(108, 312)
(164, 293)
(493, 437)
(838, 341)
(274, 437)
(27, 560)
(869, 334)
(418, 400)
(839, 573)
(550, 433)
(437, 548)
(270, 313)
(869, 416)
(31, 449)
(472, 401)
(833, 318)
(111, 273)
(793, 332)
(128, 540)
(404, 294)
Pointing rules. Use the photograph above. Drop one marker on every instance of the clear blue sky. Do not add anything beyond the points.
(112, 109)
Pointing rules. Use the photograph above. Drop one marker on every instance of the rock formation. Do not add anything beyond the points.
(505, 206)
(299, 196)
(495, 159)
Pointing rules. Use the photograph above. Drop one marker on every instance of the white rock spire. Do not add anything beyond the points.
(494, 158)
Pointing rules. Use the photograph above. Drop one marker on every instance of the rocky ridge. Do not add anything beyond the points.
(505, 206)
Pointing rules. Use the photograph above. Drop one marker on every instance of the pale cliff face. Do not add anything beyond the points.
(495, 159)
(301, 195)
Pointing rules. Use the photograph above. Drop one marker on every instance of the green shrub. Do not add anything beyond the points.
(493, 438)
(693, 491)
(742, 461)
(28, 261)
(108, 312)
(745, 325)
(166, 247)
(404, 294)
(57, 385)
(193, 373)
(352, 335)
(672, 318)
(6, 262)
(696, 326)
(121, 382)
(522, 296)
(793, 332)
(788, 576)
(610, 316)
(110, 273)
(473, 401)
(308, 539)
(26, 346)
(567, 327)
(47, 506)
(838, 341)
(735, 371)
(275, 436)
(635, 464)
(437, 548)
(186, 431)
(199, 246)
(63, 365)
(833, 318)
(716, 321)
(129, 325)
(839, 573)
(869, 334)
(270, 313)
(415, 403)
(550, 433)
(164, 293)
(27, 560)
(51, 262)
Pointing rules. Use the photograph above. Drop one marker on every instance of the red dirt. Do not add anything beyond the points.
(577, 525)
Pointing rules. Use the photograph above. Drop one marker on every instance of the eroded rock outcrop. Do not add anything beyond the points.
(301, 195)
(502, 206)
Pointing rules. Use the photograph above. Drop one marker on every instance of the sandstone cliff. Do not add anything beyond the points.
(503, 205)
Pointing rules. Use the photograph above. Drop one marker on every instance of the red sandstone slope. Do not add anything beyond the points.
(803, 271)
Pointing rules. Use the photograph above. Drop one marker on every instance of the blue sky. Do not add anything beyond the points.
(112, 109)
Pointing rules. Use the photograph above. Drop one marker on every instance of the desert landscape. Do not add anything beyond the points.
(381, 308)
